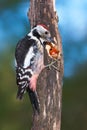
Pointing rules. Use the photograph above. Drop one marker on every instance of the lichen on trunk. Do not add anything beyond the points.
(49, 86)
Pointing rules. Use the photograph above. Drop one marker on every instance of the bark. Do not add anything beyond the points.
(49, 86)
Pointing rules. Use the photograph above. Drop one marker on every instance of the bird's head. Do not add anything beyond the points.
(41, 31)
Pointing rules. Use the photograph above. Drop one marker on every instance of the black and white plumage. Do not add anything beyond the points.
(29, 62)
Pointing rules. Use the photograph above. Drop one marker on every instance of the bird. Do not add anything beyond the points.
(29, 61)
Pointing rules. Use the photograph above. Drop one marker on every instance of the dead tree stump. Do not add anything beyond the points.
(49, 86)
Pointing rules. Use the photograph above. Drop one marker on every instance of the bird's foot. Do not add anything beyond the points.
(52, 65)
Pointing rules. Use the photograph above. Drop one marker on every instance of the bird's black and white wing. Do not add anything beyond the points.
(23, 57)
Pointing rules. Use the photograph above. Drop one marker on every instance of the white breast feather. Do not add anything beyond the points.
(29, 56)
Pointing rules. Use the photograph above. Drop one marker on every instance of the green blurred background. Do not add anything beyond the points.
(14, 24)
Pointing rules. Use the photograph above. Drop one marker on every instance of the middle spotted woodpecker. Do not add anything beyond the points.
(29, 55)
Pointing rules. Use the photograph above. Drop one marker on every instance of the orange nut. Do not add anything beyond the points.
(52, 50)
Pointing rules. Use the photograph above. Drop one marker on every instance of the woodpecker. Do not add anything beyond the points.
(29, 55)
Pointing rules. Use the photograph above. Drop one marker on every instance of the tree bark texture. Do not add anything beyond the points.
(49, 86)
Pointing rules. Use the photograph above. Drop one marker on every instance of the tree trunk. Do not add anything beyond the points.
(49, 86)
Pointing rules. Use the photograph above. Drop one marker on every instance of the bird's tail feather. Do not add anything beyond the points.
(20, 94)
(34, 100)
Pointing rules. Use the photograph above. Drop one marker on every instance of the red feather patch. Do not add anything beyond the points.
(44, 26)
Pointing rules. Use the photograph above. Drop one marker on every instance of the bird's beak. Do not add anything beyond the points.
(50, 40)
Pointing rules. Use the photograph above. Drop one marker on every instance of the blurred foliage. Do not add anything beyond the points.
(74, 108)
(14, 114)
(9, 3)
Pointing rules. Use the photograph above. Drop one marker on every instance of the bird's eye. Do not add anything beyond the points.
(46, 32)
